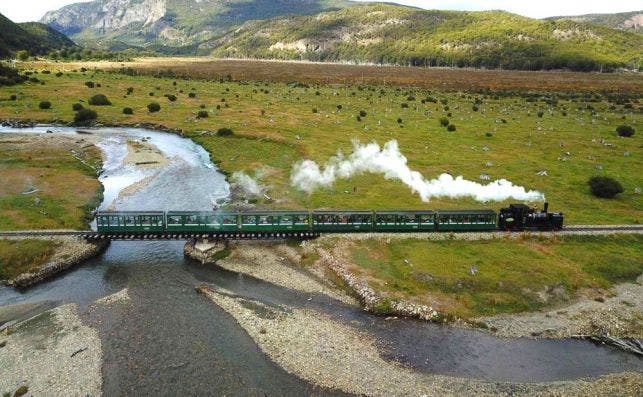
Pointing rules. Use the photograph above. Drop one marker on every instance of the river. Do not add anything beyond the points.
(172, 340)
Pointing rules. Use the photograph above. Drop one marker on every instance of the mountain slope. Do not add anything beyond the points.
(632, 21)
(34, 37)
(168, 24)
(392, 34)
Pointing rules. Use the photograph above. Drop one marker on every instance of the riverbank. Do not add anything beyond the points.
(325, 352)
(65, 252)
(51, 354)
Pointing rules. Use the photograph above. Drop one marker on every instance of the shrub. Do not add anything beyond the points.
(44, 105)
(153, 107)
(399, 120)
(362, 113)
(451, 127)
(225, 131)
(404, 105)
(192, 95)
(488, 134)
(625, 130)
(128, 111)
(76, 107)
(540, 114)
(130, 90)
(84, 116)
(475, 108)
(314, 110)
(604, 186)
(203, 114)
(99, 100)
(89, 84)
(171, 97)
(202, 106)
(339, 107)
(444, 121)
(13, 97)
(358, 118)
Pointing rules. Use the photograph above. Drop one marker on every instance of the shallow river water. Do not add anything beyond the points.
(172, 340)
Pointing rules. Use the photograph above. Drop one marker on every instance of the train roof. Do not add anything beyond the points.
(125, 213)
(342, 212)
(467, 212)
(391, 212)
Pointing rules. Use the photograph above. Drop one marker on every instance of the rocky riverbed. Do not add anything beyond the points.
(317, 348)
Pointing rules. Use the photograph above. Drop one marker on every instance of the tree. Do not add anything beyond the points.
(625, 130)
(22, 55)
(85, 116)
(99, 100)
(44, 105)
(154, 107)
(604, 186)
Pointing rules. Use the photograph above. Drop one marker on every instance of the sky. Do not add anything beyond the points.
(33, 10)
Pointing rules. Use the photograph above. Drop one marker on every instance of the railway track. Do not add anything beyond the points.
(91, 235)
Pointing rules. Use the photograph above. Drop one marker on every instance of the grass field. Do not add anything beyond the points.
(276, 125)
(510, 275)
(21, 256)
(44, 183)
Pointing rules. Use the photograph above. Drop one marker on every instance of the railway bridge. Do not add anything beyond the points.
(96, 236)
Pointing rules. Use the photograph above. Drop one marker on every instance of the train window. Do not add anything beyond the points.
(285, 220)
(301, 219)
(426, 219)
(174, 220)
(145, 220)
(229, 220)
(129, 221)
(264, 220)
(407, 219)
(249, 220)
(359, 219)
(386, 219)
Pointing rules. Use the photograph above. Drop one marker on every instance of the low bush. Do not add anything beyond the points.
(153, 107)
(171, 97)
(85, 116)
(225, 131)
(44, 105)
(451, 127)
(76, 107)
(475, 108)
(128, 111)
(362, 113)
(625, 130)
(444, 121)
(13, 97)
(604, 186)
(90, 84)
(192, 95)
(130, 90)
(99, 100)
(203, 114)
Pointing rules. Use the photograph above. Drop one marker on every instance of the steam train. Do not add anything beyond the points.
(516, 217)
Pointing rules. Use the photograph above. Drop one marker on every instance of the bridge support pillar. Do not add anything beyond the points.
(205, 250)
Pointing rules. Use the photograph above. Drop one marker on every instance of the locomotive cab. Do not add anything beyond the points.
(518, 217)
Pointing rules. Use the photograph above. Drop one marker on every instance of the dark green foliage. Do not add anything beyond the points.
(475, 108)
(76, 107)
(128, 111)
(10, 76)
(130, 90)
(153, 107)
(13, 97)
(399, 120)
(85, 116)
(225, 131)
(404, 105)
(540, 114)
(362, 113)
(21, 391)
(451, 127)
(203, 114)
(444, 121)
(488, 134)
(35, 37)
(339, 107)
(44, 105)
(99, 100)
(314, 110)
(625, 130)
(171, 97)
(90, 84)
(358, 118)
(192, 95)
(604, 186)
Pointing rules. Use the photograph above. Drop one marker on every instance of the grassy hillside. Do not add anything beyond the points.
(391, 34)
(169, 26)
(625, 20)
(33, 37)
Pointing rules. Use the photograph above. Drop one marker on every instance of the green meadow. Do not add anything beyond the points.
(507, 135)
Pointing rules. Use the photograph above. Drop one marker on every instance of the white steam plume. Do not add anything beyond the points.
(307, 176)
(245, 182)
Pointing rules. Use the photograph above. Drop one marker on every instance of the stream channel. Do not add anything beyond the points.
(172, 340)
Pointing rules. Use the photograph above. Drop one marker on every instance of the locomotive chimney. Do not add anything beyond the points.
(546, 207)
